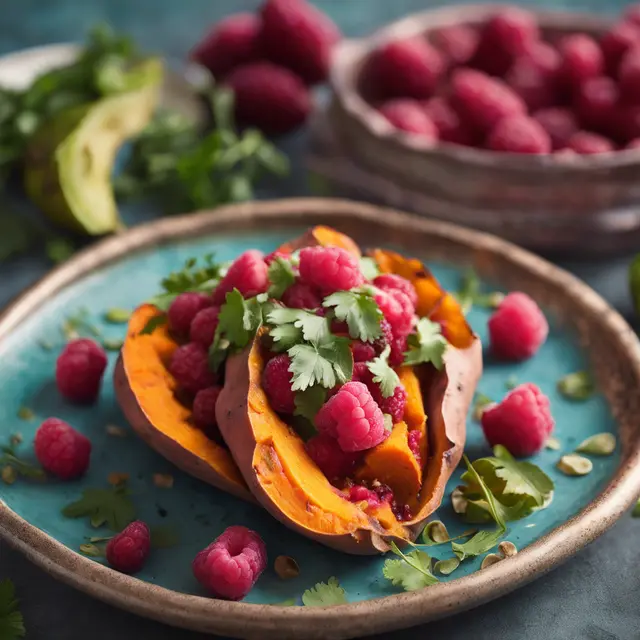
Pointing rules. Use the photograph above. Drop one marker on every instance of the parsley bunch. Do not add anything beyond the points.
(11, 620)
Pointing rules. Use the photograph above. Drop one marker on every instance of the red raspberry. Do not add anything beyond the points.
(616, 42)
(230, 43)
(595, 102)
(362, 352)
(397, 309)
(484, 100)
(408, 115)
(359, 493)
(634, 144)
(248, 274)
(128, 551)
(449, 124)
(204, 407)
(393, 405)
(386, 338)
(302, 296)
(184, 309)
(457, 42)
(204, 325)
(297, 35)
(587, 143)
(276, 381)
(629, 76)
(626, 124)
(269, 97)
(559, 123)
(391, 281)
(407, 69)
(232, 563)
(398, 349)
(330, 269)
(330, 458)
(518, 328)
(79, 371)
(190, 367)
(582, 58)
(402, 512)
(632, 14)
(353, 417)
(519, 134)
(413, 441)
(269, 258)
(522, 422)
(61, 450)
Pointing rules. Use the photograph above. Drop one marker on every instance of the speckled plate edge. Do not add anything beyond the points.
(615, 354)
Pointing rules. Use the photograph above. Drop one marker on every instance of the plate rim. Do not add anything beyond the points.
(393, 612)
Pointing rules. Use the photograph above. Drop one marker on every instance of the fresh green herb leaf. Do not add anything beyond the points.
(481, 542)
(577, 386)
(116, 315)
(285, 336)
(369, 268)
(359, 310)
(412, 572)
(291, 602)
(163, 537)
(308, 402)
(112, 344)
(636, 510)
(153, 323)
(468, 291)
(480, 404)
(384, 374)
(26, 414)
(59, 249)
(281, 277)
(92, 550)
(325, 594)
(111, 507)
(427, 344)
(21, 467)
(323, 364)
(600, 444)
(11, 620)
(315, 329)
(388, 422)
(78, 325)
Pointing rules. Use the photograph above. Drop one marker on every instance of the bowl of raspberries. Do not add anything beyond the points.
(525, 123)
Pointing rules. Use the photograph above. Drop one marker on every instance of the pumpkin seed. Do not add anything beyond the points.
(24, 413)
(458, 501)
(507, 549)
(574, 465)
(91, 550)
(8, 475)
(490, 559)
(601, 444)
(577, 386)
(117, 316)
(447, 566)
(553, 444)
(436, 532)
(286, 567)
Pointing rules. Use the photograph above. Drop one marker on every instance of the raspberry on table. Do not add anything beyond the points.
(128, 551)
(587, 143)
(61, 449)
(204, 407)
(397, 309)
(519, 134)
(616, 42)
(230, 43)
(522, 422)
(629, 76)
(232, 563)
(413, 441)
(407, 69)
(204, 325)
(276, 382)
(353, 417)
(407, 114)
(247, 274)
(297, 35)
(360, 493)
(184, 309)
(560, 123)
(582, 58)
(391, 281)
(484, 101)
(79, 371)
(301, 295)
(269, 97)
(190, 367)
(518, 328)
(450, 126)
(596, 100)
(458, 43)
(330, 458)
(330, 269)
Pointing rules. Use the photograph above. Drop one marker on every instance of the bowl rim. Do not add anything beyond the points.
(360, 618)
(351, 52)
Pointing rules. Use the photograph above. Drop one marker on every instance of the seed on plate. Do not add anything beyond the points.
(601, 444)
(116, 431)
(91, 550)
(507, 549)
(436, 532)
(447, 566)
(489, 559)
(574, 465)
(286, 567)
(8, 475)
(553, 444)
(15, 439)
(577, 386)
(458, 501)
(163, 480)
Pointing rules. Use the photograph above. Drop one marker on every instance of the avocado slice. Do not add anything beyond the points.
(70, 159)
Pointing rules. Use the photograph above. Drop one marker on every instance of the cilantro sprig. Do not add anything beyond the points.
(427, 344)
(359, 310)
(411, 572)
(281, 276)
(11, 620)
(111, 507)
(325, 594)
(383, 373)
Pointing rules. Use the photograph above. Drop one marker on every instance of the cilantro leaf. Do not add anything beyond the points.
(359, 310)
(427, 344)
(281, 277)
(369, 268)
(308, 402)
(577, 386)
(384, 374)
(285, 336)
(112, 507)
(314, 329)
(325, 364)
(11, 620)
(470, 294)
(412, 572)
(325, 594)
(153, 324)
(21, 467)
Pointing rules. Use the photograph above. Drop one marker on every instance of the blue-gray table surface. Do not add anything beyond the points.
(591, 597)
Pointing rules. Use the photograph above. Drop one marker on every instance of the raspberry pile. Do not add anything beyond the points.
(269, 60)
(502, 86)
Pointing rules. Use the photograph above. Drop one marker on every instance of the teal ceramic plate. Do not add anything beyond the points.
(124, 271)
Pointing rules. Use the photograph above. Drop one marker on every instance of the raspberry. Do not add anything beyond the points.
(330, 269)
(627, 123)
(383, 491)
(203, 326)
(269, 258)
(330, 458)
(517, 329)
(204, 407)
(407, 69)
(393, 405)
(632, 14)
(587, 143)
(629, 76)
(484, 100)
(398, 349)
(339, 328)
(128, 551)
(521, 422)
(458, 43)
(386, 338)
(582, 58)
(297, 35)
(559, 123)
(391, 281)
(190, 367)
(269, 97)
(362, 352)
(61, 450)
(230, 43)
(232, 563)
(353, 417)
(616, 42)
(184, 309)
(248, 274)
(79, 371)
(519, 134)
(359, 493)
(402, 512)
(408, 115)
(595, 102)
(276, 381)
(413, 441)
(397, 309)
(302, 296)
(450, 126)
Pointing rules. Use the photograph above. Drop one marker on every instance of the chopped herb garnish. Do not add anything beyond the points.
(116, 315)
(359, 310)
(411, 572)
(601, 444)
(369, 268)
(281, 276)
(427, 344)
(112, 344)
(26, 414)
(77, 325)
(384, 374)
(111, 507)
(577, 386)
(325, 594)
(308, 402)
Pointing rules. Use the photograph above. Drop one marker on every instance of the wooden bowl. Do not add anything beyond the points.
(578, 203)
